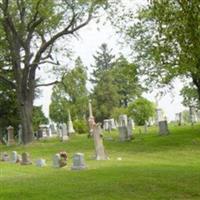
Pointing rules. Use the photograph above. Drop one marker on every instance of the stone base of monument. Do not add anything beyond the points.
(163, 128)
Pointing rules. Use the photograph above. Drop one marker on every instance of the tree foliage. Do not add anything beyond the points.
(141, 110)
(165, 36)
(29, 31)
(70, 95)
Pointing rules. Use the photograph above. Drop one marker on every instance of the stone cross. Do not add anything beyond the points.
(10, 132)
(78, 161)
(70, 128)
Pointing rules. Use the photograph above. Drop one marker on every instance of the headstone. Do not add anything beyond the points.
(98, 143)
(192, 114)
(78, 161)
(15, 157)
(53, 130)
(44, 131)
(106, 125)
(163, 128)
(5, 156)
(20, 134)
(124, 128)
(56, 160)
(26, 159)
(70, 128)
(130, 129)
(64, 136)
(10, 132)
(40, 162)
(60, 160)
(123, 120)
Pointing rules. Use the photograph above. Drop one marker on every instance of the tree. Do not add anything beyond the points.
(38, 117)
(141, 110)
(190, 96)
(71, 95)
(104, 60)
(126, 80)
(105, 97)
(29, 31)
(165, 36)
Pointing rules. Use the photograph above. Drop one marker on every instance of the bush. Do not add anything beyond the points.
(81, 126)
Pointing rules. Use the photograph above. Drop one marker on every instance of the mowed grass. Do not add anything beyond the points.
(152, 167)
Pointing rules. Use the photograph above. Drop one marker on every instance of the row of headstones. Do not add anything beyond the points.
(59, 160)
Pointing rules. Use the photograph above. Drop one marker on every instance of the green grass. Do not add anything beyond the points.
(152, 167)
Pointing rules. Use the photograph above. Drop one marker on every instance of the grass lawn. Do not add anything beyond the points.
(152, 167)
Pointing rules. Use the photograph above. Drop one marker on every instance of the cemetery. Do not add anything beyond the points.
(99, 100)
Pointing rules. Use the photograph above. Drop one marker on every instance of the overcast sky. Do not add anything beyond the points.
(86, 46)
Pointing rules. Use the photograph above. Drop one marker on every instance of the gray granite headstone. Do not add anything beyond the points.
(10, 132)
(40, 162)
(56, 160)
(64, 132)
(78, 161)
(15, 157)
(26, 159)
(163, 128)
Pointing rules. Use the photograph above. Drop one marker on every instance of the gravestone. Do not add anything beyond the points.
(20, 134)
(53, 130)
(130, 129)
(163, 128)
(124, 128)
(106, 125)
(40, 162)
(70, 128)
(64, 136)
(5, 156)
(10, 132)
(15, 157)
(78, 161)
(98, 143)
(60, 159)
(25, 159)
(56, 160)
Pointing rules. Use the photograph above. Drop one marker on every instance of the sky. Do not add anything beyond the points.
(90, 39)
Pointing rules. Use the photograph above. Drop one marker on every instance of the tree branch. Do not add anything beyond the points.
(7, 81)
(47, 84)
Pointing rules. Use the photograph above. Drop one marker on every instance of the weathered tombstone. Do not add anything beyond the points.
(130, 128)
(123, 128)
(20, 134)
(106, 124)
(163, 128)
(95, 131)
(10, 132)
(64, 136)
(78, 161)
(91, 120)
(15, 157)
(70, 128)
(40, 162)
(112, 123)
(60, 160)
(26, 159)
(56, 160)
(5, 156)
(98, 143)
(123, 120)
(53, 130)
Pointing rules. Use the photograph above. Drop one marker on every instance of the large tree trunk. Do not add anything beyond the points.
(26, 122)
(196, 81)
